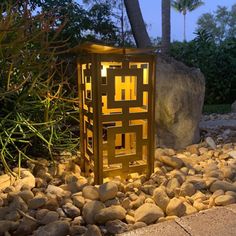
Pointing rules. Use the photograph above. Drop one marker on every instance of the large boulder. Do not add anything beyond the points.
(233, 107)
(180, 97)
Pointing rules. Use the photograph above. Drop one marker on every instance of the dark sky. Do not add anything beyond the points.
(151, 10)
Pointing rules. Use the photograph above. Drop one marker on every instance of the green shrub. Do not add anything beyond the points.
(217, 108)
(36, 102)
(216, 61)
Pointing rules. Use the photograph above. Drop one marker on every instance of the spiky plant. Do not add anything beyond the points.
(35, 95)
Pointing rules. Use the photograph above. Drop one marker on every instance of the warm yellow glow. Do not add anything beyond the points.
(145, 67)
(125, 88)
(125, 144)
(116, 114)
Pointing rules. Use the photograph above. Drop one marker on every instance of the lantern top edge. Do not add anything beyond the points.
(92, 48)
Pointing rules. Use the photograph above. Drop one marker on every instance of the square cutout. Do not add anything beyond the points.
(125, 144)
(125, 88)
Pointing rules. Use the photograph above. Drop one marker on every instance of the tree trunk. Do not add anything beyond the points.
(138, 27)
(165, 47)
(184, 27)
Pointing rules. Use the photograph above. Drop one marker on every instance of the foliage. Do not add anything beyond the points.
(119, 18)
(216, 61)
(98, 23)
(217, 108)
(184, 6)
(221, 24)
(94, 24)
(35, 99)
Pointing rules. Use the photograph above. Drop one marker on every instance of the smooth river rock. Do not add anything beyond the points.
(107, 191)
(57, 228)
(110, 213)
(175, 208)
(90, 209)
(148, 213)
(224, 200)
(161, 198)
(225, 186)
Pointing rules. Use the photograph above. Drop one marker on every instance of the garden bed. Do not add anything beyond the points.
(58, 200)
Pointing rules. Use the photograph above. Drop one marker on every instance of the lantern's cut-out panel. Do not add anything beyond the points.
(116, 114)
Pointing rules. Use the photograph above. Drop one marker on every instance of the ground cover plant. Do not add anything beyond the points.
(36, 100)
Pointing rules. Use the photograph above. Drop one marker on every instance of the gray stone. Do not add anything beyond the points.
(172, 161)
(233, 107)
(110, 202)
(26, 195)
(77, 230)
(110, 213)
(90, 209)
(77, 186)
(90, 192)
(138, 202)
(37, 202)
(224, 200)
(175, 208)
(40, 214)
(78, 201)
(6, 226)
(18, 203)
(116, 227)
(57, 228)
(217, 193)
(161, 198)
(180, 97)
(26, 227)
(13, 216)
(93, 230)
(55, 190)
(126, 203)
(211, 142)
(172, 186)
(52, 203)
(187, 189)
(71, 210)
(4, 211)
(225, 186)
(107, 191)
(148, 213)
(49, 217)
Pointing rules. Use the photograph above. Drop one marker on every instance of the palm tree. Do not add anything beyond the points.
(165, 42)
(184, 6)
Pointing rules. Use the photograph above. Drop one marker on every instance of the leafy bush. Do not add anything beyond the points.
(37, 108)
(216, 61)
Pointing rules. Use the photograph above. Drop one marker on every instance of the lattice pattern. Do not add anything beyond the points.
(116, 115)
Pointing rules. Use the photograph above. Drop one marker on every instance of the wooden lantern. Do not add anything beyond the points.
(116, 91)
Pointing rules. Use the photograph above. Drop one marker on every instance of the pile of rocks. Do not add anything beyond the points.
(48, 201)
(221, 127)
(216, 116)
